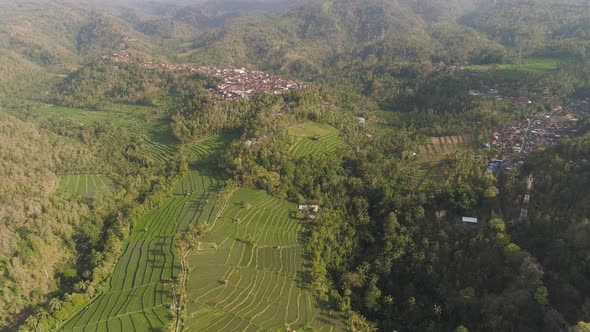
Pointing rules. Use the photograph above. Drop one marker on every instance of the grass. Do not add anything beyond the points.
(139, 120)
(83, 185)
(528, 65)
(138, 295)
(249, 272)
(314, 138)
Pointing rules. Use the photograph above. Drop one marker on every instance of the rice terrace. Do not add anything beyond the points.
(83, 185)
(247, 272)
(314, 138)
(294, 165)
(138, 297)
(147, 122)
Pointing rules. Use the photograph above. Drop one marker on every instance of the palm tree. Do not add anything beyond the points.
(55, 305)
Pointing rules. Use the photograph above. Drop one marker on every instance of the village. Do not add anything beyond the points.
(232, 84)
(516, 141)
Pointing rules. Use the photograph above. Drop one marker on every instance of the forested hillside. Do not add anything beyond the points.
(317, 35)
(36, 229)
(558, 28)
(342, 165)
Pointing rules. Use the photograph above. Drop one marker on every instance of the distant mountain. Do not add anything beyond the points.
(314, 36)
(558, 27)
(58, 35)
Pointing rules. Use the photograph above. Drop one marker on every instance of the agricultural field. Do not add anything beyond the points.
(314, 138)
(83, 185)
(440, 147)
(205, 148)
(138, 297)
(430, 156)
(528, 65)
(248, 272)
(149, 122)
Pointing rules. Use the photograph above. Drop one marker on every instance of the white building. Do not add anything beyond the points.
(469, 220)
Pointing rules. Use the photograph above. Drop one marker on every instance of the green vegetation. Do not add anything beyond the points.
(314, 138)
(248, 272)
(83, 185)
(528, 66)
(138, 295)
(545, 28)
(148, 123)
(133, 198)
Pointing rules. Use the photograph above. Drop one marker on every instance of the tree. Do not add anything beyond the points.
(581, 327)
(461, 328)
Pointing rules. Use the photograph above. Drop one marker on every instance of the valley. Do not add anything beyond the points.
(271, 165)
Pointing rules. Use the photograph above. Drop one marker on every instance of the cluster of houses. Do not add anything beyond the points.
(516, 141)
(232, 84)
(242, 83)
(500, 96)
(119, 57)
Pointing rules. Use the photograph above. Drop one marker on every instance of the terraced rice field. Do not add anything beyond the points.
(136, 120)
(83, 185)
(440, 147)
(430, 156)
(204, 148)
(314, 138)
(247, 274)
(138, 297)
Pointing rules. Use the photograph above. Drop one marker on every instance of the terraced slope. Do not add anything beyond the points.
(135, 119)
(247, 274)
(138, 297)
(315, 138)
(83, 185)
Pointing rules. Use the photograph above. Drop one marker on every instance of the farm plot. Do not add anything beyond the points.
(527, 66)
(83, 185)
(314, 138)
(138, 297)
(139, 291)
(248, 272)
(206, 147)
(151, 123)
(430, 156)
(440, 147)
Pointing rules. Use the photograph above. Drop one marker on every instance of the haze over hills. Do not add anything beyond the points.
(298, 165)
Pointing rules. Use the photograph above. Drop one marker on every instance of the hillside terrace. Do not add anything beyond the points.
(233, 84)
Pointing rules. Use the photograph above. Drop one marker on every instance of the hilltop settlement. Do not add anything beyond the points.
(232, 84)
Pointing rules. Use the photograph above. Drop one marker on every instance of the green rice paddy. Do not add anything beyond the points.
(528, 66)
(314, 138)
(152, 123)
(83, 185)
(138, 297)
(248, 273)
(255, 251)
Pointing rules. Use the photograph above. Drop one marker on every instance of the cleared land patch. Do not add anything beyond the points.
(528, 65)
(249, 274)
(83, 185)
(314, 138)
(149, 122)
(439, 147)
(429, 157)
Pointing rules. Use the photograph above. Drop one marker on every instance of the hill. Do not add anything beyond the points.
(377, 48)
(319, 32)
(538, 27)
